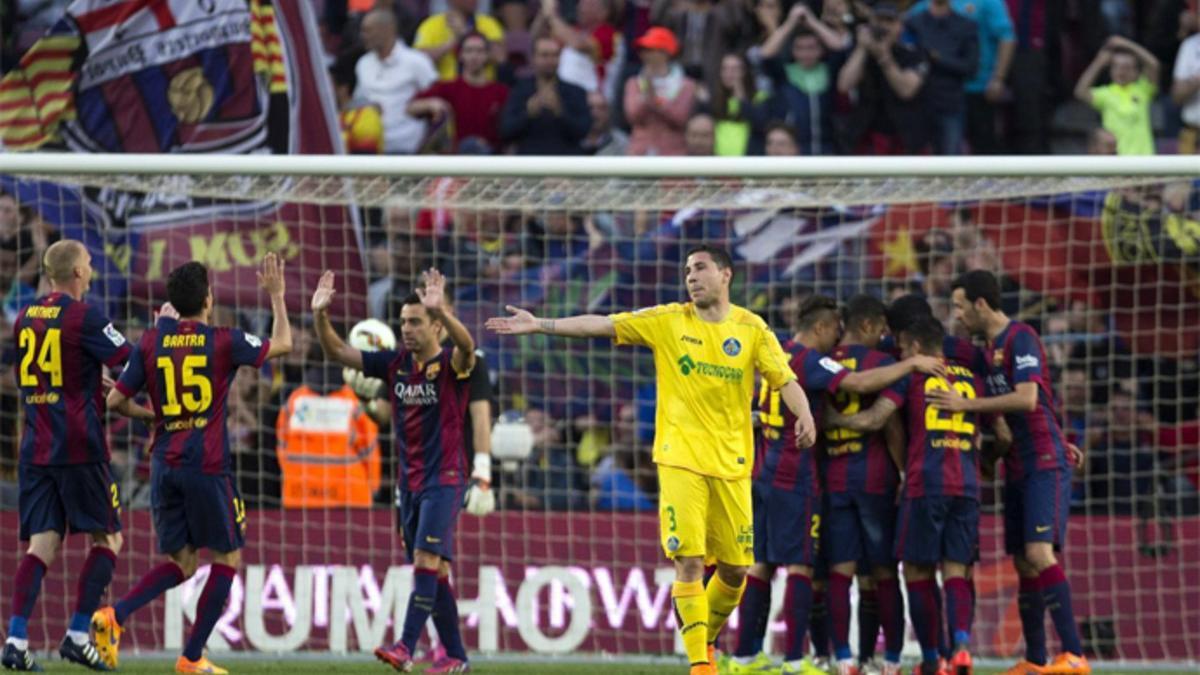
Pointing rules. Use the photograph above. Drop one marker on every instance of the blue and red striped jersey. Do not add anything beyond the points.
(943, 448)
(853, 461)
(187, 368)
(1017, 356)
(429, 412)
(62, 344)
(780, 463)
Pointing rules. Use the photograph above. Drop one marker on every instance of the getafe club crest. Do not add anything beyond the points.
(732, 347)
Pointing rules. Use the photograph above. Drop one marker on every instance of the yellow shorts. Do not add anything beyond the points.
(706, 517)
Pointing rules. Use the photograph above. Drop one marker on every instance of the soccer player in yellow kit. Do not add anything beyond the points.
(705, 354)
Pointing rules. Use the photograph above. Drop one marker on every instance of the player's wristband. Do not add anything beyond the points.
(483, 467)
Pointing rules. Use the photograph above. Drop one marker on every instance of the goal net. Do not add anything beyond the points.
(1103, 258)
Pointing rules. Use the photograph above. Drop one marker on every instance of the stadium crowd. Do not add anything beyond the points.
(732, 77)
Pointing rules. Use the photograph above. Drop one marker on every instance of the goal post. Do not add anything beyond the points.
(1102, 255)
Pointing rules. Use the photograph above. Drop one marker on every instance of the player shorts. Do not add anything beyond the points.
(933, 529)
(427, 519)
(68, 498)
(859, 527)
(196, 509)
(787, 526)
(706, 517)
(1035, 510)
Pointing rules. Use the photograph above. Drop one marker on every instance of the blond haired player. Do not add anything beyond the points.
(705, 354)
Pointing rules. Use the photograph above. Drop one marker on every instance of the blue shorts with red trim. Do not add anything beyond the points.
(427, 519)
(67, 498)
(196, 509)
(1035, 510)
(933, 529)
(787, 526)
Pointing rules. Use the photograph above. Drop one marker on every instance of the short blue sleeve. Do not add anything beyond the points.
(1025, 356)
(996, 21)
(821, 373)
(247, 349)
(377, 364)
(101, 340)
(133, 378)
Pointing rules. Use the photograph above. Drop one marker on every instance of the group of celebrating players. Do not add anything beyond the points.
(858, 460)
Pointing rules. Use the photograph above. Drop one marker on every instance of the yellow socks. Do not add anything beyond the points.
(691, 613)
(722, 600)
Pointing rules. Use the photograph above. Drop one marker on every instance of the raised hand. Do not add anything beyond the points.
(270, 277)
(167, 311)
(930, 365)
(323, 296)
(433, 295)
(521, 322)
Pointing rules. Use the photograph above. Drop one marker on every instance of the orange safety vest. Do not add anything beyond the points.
(328, 450)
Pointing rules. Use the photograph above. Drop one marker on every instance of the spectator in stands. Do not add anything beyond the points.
(623, 480)
(951, 44)
(34, 236)
(736, 106)
(839, 20)
(518, 41)
(972, 249)
(1185, 91)
(1029, 76)
(803, 89)
(659, 99)
(986, 90)
(544, 115)
(439, 36)
(604, 139)
(700, 135)
(588, 47)
(10, 217)
(471, 102)
(389, 75)
(553, 479)
(707, 29)
(1101, 142)
(361, 119)
(1123, 104)
(397, 262)
(781, 141)
(886, 76)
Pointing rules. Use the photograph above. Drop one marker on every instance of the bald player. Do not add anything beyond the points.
(66, 484)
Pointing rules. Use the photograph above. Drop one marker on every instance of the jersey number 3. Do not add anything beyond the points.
(198, 393)
(956, 422)
(49, 357)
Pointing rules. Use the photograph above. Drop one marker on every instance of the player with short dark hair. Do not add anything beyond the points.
(1037, 490)
(66, 484)
(787, 492)
(939, 512)
(428, 386)
(706, 354)
(187, 366)
(860, 475)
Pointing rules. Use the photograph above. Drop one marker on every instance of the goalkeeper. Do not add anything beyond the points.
(427, 387)
(705, 354)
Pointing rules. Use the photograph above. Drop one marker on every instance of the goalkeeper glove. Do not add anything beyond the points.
(367, 388)
(480, 500)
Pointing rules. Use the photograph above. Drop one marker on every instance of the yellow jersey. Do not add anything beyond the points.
(435, 31)
(705, 383)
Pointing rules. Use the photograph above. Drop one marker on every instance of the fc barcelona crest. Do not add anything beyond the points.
(433, 371)
(997, 358)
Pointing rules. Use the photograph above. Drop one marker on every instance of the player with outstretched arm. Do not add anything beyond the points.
(705, 354)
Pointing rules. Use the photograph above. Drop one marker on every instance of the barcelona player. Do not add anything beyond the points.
(939, 512)
(428, 386)
(706, 353)
(1037, 476)
(187, 366)
(66, 484)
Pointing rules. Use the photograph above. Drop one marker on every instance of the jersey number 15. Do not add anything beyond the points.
(197, 396)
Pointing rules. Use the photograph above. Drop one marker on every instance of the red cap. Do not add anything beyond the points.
(658, 38)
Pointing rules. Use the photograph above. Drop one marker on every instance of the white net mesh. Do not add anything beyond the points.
(1105, 268)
